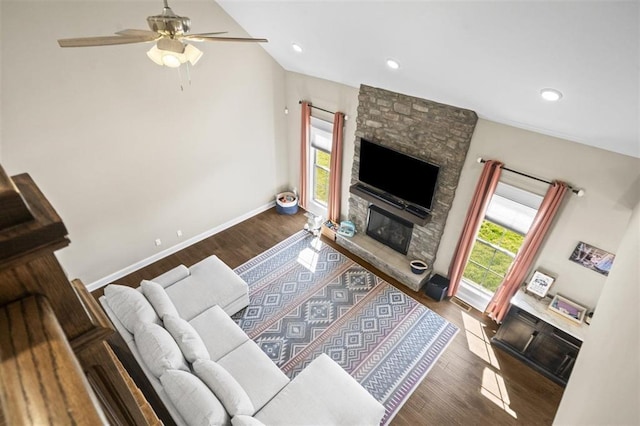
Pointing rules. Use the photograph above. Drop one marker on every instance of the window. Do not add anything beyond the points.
(492, 254)
(320, 140)
(506, 223)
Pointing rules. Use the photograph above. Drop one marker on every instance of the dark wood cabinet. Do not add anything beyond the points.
(557, 352)
(540, 345)
(519, 330)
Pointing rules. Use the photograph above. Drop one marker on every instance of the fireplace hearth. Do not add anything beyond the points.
(389, 229)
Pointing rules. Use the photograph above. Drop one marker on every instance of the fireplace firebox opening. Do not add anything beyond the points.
(389, 229)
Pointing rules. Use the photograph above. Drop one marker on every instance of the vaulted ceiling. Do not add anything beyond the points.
(493, 57)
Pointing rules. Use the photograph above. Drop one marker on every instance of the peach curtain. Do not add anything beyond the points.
(335, 173)
(484, 191)
(304, 153)
(519, 269)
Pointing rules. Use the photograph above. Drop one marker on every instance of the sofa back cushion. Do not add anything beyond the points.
(194, 401)
(158, 298)
(130, 306)
(225, 387)
(186, 337)
(157, 349)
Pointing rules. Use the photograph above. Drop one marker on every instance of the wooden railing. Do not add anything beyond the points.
(41, 381)
(55, 364)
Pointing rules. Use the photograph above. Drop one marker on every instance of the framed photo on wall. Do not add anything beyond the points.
(593, 258)
(539, 284)
(567, 308)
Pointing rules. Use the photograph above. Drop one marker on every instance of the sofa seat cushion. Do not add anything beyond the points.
(218, 331)
(130, 306)
(255, 372)
(224, 386)
(194, 401)
(158, 298)
(213, 283)
(323, 394)
(158, 350)
(187, 338)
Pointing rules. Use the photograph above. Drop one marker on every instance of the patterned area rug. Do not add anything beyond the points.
(306, 298)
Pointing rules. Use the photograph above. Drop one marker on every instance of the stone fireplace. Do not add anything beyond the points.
(433, 132)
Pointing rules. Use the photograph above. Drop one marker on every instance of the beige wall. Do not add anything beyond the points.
(124, 155)
(604, 387)
(611, 182)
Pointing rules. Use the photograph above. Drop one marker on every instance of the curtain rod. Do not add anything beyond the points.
(321, 109)
(346, 117)
(578, 192)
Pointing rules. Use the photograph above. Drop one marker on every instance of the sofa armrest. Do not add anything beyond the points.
(172, 276)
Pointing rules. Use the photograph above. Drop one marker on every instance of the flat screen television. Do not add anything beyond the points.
(405, 177)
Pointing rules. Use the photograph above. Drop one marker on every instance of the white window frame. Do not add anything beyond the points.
(320, 139)
(472, 293)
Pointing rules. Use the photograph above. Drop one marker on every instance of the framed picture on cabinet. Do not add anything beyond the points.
(539, 284)
(567, 308)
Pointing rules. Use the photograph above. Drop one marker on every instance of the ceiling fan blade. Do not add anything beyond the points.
(205, 34)
(102, 41)
(140, 33)
(207, 38)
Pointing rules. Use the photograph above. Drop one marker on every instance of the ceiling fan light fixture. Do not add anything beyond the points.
(155, 55)
(172, 59)
(192, 54)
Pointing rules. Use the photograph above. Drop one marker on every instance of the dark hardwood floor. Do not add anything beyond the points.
(471, 383)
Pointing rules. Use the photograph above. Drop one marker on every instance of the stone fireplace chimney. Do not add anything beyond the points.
(433, 132)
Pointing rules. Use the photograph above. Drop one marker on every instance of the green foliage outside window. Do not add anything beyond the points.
(492, 255)
(321, 176)
(501, 236)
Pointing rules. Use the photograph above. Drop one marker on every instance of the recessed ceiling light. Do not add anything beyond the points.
(551, 95)
(296, 47)
(393, 64)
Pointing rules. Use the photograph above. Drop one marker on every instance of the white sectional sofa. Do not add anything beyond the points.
(207, 371)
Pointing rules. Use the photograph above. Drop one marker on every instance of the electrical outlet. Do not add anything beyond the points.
(158, 242)
(179, 233)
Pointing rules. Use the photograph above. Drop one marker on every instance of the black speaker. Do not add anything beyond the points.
(437, 287)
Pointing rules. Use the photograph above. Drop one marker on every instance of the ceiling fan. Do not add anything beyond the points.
(170, 32)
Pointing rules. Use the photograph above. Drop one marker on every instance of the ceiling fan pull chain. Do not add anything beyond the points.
(180, 78)
(188, 73)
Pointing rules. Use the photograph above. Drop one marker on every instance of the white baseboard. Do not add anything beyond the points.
(164, 253)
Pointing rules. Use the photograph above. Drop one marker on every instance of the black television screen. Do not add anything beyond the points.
(400, 175)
